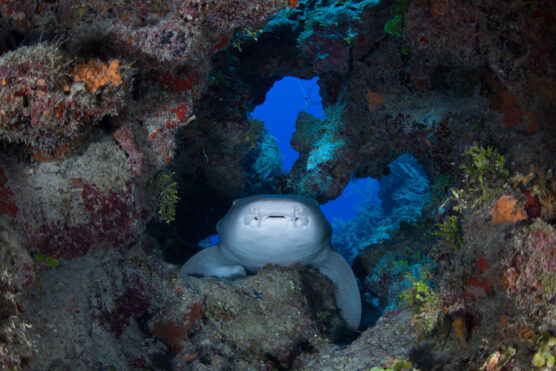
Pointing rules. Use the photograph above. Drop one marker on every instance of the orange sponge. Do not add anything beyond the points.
(96, 75)
(504, 211)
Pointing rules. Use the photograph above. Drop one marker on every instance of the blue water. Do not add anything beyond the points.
(356, 192)
(282, 104)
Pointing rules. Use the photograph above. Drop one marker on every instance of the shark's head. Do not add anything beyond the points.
(277, 229)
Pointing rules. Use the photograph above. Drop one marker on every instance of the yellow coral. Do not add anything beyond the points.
(96, 75)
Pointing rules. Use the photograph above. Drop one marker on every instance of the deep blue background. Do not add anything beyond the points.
(282, 104)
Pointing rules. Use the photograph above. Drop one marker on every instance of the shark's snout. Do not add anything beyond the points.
(256, 216)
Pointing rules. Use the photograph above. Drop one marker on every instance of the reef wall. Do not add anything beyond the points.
(114, 115)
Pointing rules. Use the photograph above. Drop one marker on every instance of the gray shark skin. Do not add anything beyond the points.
(282, 230)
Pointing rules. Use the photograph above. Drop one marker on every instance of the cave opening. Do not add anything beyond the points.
(271, 120)
(283, 102)
(290, 129)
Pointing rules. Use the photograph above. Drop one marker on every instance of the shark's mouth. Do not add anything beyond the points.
(257, 217)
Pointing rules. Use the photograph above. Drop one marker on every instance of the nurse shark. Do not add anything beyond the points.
(283, 230)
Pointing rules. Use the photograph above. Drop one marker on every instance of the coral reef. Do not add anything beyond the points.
(103, 305)
(403, 193)
(263, 165)
(449, 104)
(530, 272)
(312, 172)
(162, 196)
(44, 103)
(267, 319)
(16, 347)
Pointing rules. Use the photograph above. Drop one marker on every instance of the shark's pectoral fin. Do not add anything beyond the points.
(348, 298)
(211, 262)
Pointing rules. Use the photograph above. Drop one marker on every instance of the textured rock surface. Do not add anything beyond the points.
(98, 96)
(266, 320)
